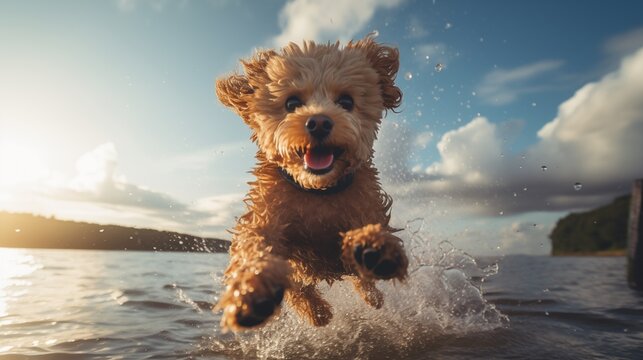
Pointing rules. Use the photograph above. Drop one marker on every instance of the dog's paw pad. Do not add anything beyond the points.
(254, 309)
(386, 269)
(257, 312)
(379, 262)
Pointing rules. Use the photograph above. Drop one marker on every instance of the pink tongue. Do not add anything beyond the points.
(317, 161)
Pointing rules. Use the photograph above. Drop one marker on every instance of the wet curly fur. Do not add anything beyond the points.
(304, 226)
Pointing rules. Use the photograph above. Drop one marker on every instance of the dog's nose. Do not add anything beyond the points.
(319, 126)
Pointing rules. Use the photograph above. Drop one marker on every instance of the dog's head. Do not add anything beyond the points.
(315, 110)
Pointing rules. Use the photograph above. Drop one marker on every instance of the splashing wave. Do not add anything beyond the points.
(441, 297)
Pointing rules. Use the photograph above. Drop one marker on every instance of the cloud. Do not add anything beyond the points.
(242, 151)
(97, 185)
(222, 210)
(131, 5)
(326, 19)
(525, 238)
(624, 44)
(514, 238)
(423, 139)
(157, 5)
(595, 140)
(503, 86)
(97, 181)
(417, 29)
(429, 54)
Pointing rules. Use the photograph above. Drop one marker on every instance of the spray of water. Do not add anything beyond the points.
(442, 297)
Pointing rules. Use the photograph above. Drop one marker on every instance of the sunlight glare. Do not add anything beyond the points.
(15, 264)
(20, 163)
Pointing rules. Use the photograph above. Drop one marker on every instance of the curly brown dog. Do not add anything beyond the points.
(316, 211)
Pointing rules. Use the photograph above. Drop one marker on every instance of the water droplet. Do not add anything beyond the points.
(426, 58)
(533, 104)
(101, 230)
(543, 167)
(473, 93)
(546, 290)
(481, 39)
(375, 33)
(180, 242)
(546, 313)
(408, 75)
(501, 213)
(439, 67)
(578, 186)
(524, 189)
(448, 26)
(18, 230)
(418, 113)
(415, 226)
(515, 195)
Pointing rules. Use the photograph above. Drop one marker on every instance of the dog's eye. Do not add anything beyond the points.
(346, 102)
(292, 103)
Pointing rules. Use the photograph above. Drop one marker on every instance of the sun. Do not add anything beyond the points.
(21, 163)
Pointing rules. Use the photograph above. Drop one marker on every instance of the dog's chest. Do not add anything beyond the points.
(315, 223)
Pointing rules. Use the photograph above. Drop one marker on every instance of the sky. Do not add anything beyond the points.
(514, 113)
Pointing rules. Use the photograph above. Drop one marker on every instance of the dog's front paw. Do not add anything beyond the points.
(375, 253)
(253, 298)
(254, 310)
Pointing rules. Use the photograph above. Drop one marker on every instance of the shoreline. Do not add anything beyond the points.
(604, 253)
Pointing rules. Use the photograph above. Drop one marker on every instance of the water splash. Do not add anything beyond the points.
(441, 297)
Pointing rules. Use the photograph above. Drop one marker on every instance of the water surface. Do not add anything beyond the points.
(62, 304)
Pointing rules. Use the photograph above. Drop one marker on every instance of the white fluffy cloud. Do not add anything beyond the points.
(326, 19)
(502, 86)
(99, 188)
(594, 140)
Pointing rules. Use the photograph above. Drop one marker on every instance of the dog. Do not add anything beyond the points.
(316, 210)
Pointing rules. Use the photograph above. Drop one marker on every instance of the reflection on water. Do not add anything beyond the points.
(15, 267)
(79, 304)
(16, 264)
(76, 302)
(36, 284)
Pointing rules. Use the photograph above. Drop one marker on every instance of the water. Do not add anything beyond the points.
(62, 304)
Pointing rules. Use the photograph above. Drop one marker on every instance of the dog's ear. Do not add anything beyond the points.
(236, 91)
(386, 61)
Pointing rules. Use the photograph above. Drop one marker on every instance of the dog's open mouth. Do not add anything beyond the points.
(320, 159)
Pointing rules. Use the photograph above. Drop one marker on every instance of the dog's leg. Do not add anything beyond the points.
(374, 253)
(254, 290)
(367, 290)
(309, 304)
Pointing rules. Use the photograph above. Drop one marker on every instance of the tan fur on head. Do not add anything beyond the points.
(318, 74)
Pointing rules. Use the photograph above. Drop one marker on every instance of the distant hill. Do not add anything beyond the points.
(599, 231)
(31, 231)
